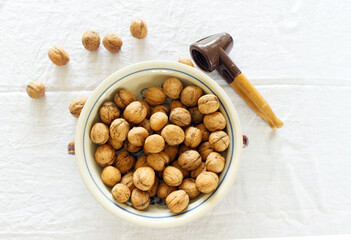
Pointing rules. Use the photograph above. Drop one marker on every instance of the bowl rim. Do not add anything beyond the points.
(139, 219)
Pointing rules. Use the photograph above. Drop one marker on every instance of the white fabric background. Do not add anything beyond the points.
(294, 181)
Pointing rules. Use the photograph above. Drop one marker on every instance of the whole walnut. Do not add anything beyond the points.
(147, 107)
(186, 61)
(153, 190)
(208, 103)
(154, 143)
(58, 56)
(36, 89)
(76, 106)
(91, 40)
(215, 162)
(123, 98)
(127, 179)
(175, 104)
(190, 95)
(215, 121)
(177, 201)
(124, 161)
(119, 129)
(173, 134)
(171, 151)
(189, 186)
(172, 87)
(205, 149)
(130, 147)
(219, 141)
(198, 170)
(135, 112)
(193, 137)
(105, 155)
(141, 162)
(207, 182)
(144, 178)
(109, 112)
(164, 190)
(140, 199)
(158, 161)
(160, 108)
(112, 42)
(180, 117)
(189, 160)
(99, 133)
(158, 120)
(121, 192)
(138, 28)
(155, 96)
(184, 172)
(137, 136)
(196, 115)
(146, 124)
(204, 131)
(110, 176)
(115, 143)
(172, 176)
(184, 148)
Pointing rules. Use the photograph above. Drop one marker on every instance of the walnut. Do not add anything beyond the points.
(138, 28)
(153, 190)
(189, 186)
(172, 176)
(135, 112)
(215, 162)
(208, 103)
(184, 172)
(119, 129)
(71, 148)
(128, 181)
(175, 104)
(196, 116)
(123, 98)
(140, 199)
(99, 133)
(186, 61)
(184, 148)
(154, 144)
(124, 161)
(189, 160)
(177, 201)
(121, 192)
(58, 56)
(144, 178)
(215, 121)
(204, 131)
(112, 42)
(155, 96)
(160, 108)
(105, 155)
(207, 182)
(173, 134)
(137, 136)
(204, 150)
(91, 40)
(164, 190)
(76, 106)
(147, 107)
(198, 170)
(141, 162)
(180, 117)
(190, 95)
(146, 124)
(172, 87)
(36, 89)
(219, 141)
(158, 161)
(109, 112)
(158, 120)
(130, 147)
(110, 176)
(115, 143)
(193, 137)
(171, 151)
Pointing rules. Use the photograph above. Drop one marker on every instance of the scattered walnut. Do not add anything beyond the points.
(215, 162)
(112, 42)
(193, 137)
(158, 120)
(189, 186)
(215, 121)
(115, 143)
(135, 112)
(204, 131)
(36, 89)
(153, 190)
(154, 144)
(121, 192)
(172, 176)
(172, 87)
(137, 136)
(140, 199)
(204, 150)
(105, 155)
(180, 117)
(109, 112)
(155, 96)
(171, 151)
(144, 178)
(173, 134)
(177, 201)
(124, 161)
(158, 161)
(198, 170)
(196, 116)
(123, 98)
(141, 162)
(76, 106)
(58, 56)
(147, 107)
(91, 40)
(71, 147)
(128, 181)
(99, 133)
(186, 61)
(207, 182)
(219, 141)
(164, 190)
(119, 129)
(146, 124)
(131, 147)
(138, 28)
(175, 104)
(184, 172)
(110, 176)
(160, 108)
(190, 95)
(208, 103)
(189, 160)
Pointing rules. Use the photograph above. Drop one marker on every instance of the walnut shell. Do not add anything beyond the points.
(155, 96)
(177, 201)
(99, 133)
(137, 136)
(127, 179)
(171, 151)
(175, 104)
(207, 182)
(198, 170)
(123, 98)
(160, 108)
(173, 134)
(184, 148)
(180, 117)
(119, 129)
(154, 144)
(141, 162)
(91, 40)
(189, 160)
(138, 28)
(215, 162)
(164, 190)
(208, 103)
(184, 172)
(144, 178)
(147, 107)
(146, 124)
(204, 131)
(196, 115)
(186, 61)
(109, 112)
(135, 112)
(158, 161)
(172, 87)
(124, 161)
(112, 42)
(110, 176)
(189, 186)
(190, 95)
(219, 141)
(115, 143)
(215, 121)
(58, 56)
(158, 120)
(121, 192)
(36, 89)
(140, 199)
(193, 137)
(76, 106)
(172, 176)
(204, 150)
(153, 190)
(131, 147)
(105, 155)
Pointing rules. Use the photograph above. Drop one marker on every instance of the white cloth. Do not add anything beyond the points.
(293, 181)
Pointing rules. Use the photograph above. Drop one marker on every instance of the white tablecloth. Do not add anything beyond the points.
(293, 181)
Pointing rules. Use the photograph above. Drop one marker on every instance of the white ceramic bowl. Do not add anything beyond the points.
(137, 78)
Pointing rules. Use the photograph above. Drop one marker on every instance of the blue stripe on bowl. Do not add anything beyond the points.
(141, 215)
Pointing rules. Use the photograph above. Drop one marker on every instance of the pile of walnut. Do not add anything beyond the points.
(181, 143)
